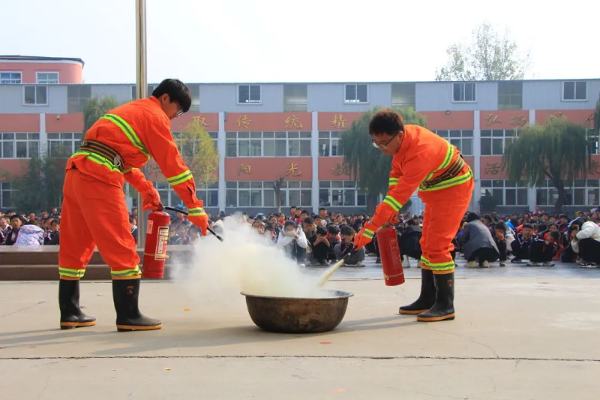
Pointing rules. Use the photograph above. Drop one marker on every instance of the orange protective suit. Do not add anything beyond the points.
(94, 211)
(423, 156)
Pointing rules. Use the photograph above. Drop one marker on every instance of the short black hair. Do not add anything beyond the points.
(322, 209)
(178, 92)
(500, 225)
(321, 231)
(346, 230)
(308, 220)
(289, 223)
(334, 230)
(386, 121)
(472, 216)
(527, 226)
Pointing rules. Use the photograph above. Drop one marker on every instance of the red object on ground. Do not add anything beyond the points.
(391, 260)
(155, 252)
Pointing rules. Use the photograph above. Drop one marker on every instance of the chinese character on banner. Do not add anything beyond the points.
(338, 121)
(246, 169)
(201, 121)
(493, 168)
(244, 121)
(518, 121)
(339, 170)
(293, 170)
(492, 119)
(293, 122)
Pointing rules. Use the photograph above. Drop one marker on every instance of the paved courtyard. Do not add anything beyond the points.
(520, 333)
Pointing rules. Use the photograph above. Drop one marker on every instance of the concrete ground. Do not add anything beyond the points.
(520, 333)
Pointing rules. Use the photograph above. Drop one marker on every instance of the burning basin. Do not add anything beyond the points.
(298, 314)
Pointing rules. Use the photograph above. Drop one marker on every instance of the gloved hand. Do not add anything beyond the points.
(151, 200)
(198, 217)
(366, 234)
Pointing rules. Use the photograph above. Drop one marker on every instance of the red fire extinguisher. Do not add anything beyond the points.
(155, 252)
(391, 260)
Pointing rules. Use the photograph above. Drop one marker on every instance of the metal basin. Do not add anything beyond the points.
(298, 315)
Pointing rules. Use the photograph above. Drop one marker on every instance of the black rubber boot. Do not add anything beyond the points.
(71, 315)
(443, 309)
(426, 299)
(129, 318)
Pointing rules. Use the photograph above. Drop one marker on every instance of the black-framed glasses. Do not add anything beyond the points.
(380, 145)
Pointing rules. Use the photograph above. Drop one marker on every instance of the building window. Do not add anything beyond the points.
(267, 144)
(249, 94)
(46, 78)
(356, 94)
(329, 144)
(340, 194)
(19, 145)
(6, 195)
(262, 194)
(35, 95)
(593, 141)
(493, 142)
(77, 97)
(462, 139)
(209, 194)
(134, 92)
(510, 95)
(507, 193)
(403, 95)
(574, 91)
(464, 91)
(295, 98)
(580, 192)
(10, 78)
(63, 144)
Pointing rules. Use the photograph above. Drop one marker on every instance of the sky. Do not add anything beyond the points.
(298, 41)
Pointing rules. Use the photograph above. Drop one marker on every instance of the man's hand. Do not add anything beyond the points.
(362, 238)
(201, 221)
(151, 200)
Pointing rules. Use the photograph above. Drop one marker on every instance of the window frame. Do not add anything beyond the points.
(249, 102)
(15, 140)
(253, 136)
(464, 136)
(12, 72)
(464, 92)
(36, 104)
(574, 91)
(357, 100)
(37, 78)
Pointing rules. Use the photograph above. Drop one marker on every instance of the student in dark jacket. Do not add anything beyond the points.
(521, 246)
(477, 242)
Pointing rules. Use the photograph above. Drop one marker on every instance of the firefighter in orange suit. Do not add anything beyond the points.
(94, 210)
(423, 160)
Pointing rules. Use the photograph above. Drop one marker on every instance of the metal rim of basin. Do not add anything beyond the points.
(333, 294)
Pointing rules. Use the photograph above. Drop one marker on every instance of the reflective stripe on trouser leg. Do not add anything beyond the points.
(76, 241)
(441, 221)
(105, 213)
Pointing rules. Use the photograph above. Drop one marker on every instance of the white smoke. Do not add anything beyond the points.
(244, 262)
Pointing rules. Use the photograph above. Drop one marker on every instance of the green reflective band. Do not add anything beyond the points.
(71, 273)
(442, 266)
(449, 155)
(128, 131)
(393, 182)
(127, 272)
(369, 233)
(195, 212)
(98, 159)
(457, 180)
(424, 260)
(177, 179)
(390, 201)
